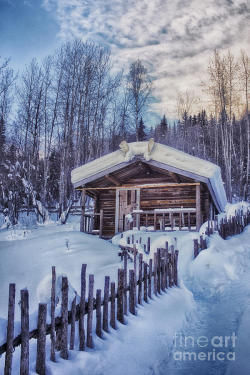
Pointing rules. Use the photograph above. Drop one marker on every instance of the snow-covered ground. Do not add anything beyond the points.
(212, 302)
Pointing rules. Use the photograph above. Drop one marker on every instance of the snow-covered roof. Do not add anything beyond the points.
(159, 155)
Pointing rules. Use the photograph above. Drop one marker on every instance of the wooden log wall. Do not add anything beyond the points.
(183, 196)
(106, 202)
(155, 198)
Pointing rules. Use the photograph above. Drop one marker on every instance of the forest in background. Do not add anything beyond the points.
(72, 108)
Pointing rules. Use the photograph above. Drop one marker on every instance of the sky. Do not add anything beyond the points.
(173, 38)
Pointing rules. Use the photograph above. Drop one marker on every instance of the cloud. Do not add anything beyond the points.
(174, 38)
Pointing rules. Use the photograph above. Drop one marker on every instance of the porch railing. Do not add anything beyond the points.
(172, 217)
(92, 223)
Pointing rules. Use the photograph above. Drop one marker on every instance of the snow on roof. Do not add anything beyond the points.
(166, 157)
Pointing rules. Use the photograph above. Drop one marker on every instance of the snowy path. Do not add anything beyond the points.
(213, 317)
(222, 308)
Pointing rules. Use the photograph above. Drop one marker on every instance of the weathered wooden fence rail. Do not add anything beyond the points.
(172, 217)
(133, 287)
(226, 227)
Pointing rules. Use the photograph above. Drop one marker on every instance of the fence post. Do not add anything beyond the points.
(98, 313)
(196, 248)
(24, 363)
(52, 316)
(82, 308)
(165, 265)
(64, 339)
(155, 274)
(140, 280)
(120, 311)
(41, 340)
(112, 306)
(135, 273)
(73, 324)
(159, 271)
(170, 269)
(150, 278)
(132, 292)
(10, 330)
(148, 245)
(176, 267)
(145, 279)
(171, 275)
(125, 282)
(162, 269)
(105, 304)
(90, 312)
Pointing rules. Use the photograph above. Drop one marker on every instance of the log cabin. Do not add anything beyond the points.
(148, 185)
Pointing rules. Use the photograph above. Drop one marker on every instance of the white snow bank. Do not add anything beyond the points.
(222, 263)
(204, 227)
(15, 234)
(43, 291)
(232, 208)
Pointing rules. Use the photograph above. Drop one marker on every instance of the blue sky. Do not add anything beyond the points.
(27, 30)
(174, 38)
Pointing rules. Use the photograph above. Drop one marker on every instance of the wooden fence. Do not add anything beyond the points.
(172, 217)
(226, 227)
(133, 287)
(87, 223)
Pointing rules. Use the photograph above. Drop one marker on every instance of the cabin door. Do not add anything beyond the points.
(127, 201)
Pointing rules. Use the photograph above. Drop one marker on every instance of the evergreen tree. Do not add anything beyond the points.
(163, 127)
(141, 131)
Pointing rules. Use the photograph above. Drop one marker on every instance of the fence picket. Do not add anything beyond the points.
(112, 306)
(165, 255)
(10, 330)
(132, 292)
(140, 280)
(145, 281)
(150, 278)
(64, 330)
(155, 274)
(159, 271)
(82, 308)
(52, 316)
(90, 312)
(176, 267)
(105, 304)
(98, 313)
(135, 272)
(24, 362)
(73, 324)
(125, 267)
(120, 310)
(41, 340)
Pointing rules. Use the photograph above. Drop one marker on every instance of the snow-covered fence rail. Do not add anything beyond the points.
(133, 287)
(234, 224)
(226, 227)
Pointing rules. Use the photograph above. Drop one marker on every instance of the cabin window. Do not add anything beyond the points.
(128, 197)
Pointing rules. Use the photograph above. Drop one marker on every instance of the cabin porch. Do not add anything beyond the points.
(148, 207)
